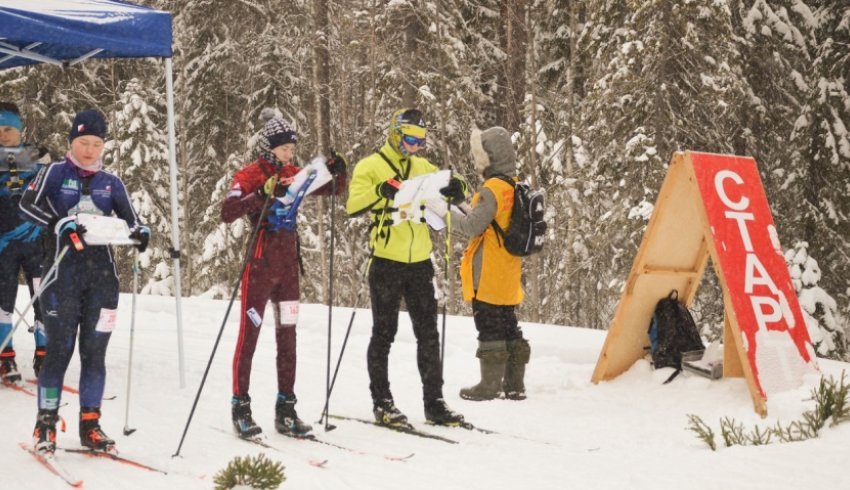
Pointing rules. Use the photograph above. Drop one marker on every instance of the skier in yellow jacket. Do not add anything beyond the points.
(401, 266)
(490, 276)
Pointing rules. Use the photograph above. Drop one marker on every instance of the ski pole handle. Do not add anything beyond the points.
(75, 239)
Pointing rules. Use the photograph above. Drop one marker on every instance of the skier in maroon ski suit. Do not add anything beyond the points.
(272, 272)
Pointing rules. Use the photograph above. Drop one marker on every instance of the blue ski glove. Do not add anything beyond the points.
(143, 234)
(71, 233)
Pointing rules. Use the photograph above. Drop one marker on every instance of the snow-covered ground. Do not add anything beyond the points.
(570, 434)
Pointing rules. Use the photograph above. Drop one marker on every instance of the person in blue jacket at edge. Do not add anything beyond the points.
(20, 247)
(82, 296)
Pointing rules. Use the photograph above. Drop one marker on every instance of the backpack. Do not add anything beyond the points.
(672, 331)
(526, 228)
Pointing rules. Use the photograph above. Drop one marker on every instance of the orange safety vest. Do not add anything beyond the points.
(501, 272)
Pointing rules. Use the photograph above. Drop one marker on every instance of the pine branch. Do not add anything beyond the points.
(732, 432)
(759, 437)
(702, 430)
(257, 472)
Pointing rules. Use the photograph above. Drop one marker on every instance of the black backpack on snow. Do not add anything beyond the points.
(672, 331)
(526, 228)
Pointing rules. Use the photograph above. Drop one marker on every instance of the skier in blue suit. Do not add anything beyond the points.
(20, 247)
(83, 295)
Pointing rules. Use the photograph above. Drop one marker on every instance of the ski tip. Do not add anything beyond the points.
(318, 463)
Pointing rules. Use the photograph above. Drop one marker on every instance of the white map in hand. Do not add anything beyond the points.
(419, 198)
(105, 230)
(323, 176)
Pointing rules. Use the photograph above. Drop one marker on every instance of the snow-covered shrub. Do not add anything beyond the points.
(825, 323)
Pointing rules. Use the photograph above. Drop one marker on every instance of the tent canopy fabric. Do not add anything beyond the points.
(69, 31)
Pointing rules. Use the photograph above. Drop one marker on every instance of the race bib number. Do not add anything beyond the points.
(106, 322)
(288, 312)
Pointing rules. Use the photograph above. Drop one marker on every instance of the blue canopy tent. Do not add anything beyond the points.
(67, 32)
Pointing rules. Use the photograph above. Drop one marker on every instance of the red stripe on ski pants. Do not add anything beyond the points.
(274, 276)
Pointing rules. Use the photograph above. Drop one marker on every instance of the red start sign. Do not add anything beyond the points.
(774, 333)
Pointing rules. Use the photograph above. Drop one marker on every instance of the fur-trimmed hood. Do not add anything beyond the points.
(492, 152)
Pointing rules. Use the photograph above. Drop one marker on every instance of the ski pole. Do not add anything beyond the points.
(248, 253)
(45, 281)
(446, 275)
(30, 328)
(350, 323)
(325, 410)
(127, 429)
(328, 426)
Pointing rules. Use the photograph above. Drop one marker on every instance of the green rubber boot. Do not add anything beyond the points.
(492, 356)
(514, 382)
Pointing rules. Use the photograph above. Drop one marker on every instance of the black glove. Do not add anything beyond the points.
(67, 230)
(143, 234)
(388, 188)
(456, 190)
(272, 184)
(336, 163)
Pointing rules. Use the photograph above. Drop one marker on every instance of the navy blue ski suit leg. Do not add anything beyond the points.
(17, 255)
(84, 299)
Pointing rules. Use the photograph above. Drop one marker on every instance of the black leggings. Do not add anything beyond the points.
(389, 282)
(495, 322)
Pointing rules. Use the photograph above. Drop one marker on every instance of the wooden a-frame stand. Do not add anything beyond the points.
(674, 253)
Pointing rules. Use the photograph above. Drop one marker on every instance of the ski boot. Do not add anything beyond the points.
(91, 435)
(514, 382)
(438, 413)
(38, 359)
(243, 422)
(44, 434)
(386, 413)
(8, 368)
(492, 356)
(286, 421)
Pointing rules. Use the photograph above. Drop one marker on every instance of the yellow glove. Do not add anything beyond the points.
(269, 186)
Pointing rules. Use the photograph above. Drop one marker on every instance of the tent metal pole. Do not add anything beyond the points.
(175, 231)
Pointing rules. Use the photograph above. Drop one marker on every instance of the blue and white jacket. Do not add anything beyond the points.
(12, 227)
(56, 191)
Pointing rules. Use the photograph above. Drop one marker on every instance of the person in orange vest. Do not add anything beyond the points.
(490, 275)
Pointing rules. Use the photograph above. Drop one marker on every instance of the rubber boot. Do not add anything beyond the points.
(514, 383)
(492, 356)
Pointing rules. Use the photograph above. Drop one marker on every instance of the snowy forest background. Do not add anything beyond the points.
(599, 93)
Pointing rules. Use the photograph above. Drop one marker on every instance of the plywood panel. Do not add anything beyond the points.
(682, 236)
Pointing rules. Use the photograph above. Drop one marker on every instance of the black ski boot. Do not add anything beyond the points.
(8, 368)
(91, 435)
(38, 359)
(438, 413)
(44, 434)
(386, 413)
(286, 421)
(243, 422)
